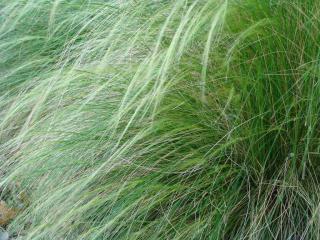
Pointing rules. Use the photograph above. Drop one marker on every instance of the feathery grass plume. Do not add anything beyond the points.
(160, 119)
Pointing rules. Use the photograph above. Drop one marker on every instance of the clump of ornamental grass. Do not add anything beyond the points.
(160, 119)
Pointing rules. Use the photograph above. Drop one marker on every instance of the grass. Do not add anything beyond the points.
(160, 119)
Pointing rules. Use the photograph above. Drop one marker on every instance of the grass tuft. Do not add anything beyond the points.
(160, 119)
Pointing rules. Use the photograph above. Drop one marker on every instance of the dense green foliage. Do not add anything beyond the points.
(158, 119)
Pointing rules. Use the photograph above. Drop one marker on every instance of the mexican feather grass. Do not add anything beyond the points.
(158, 119)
